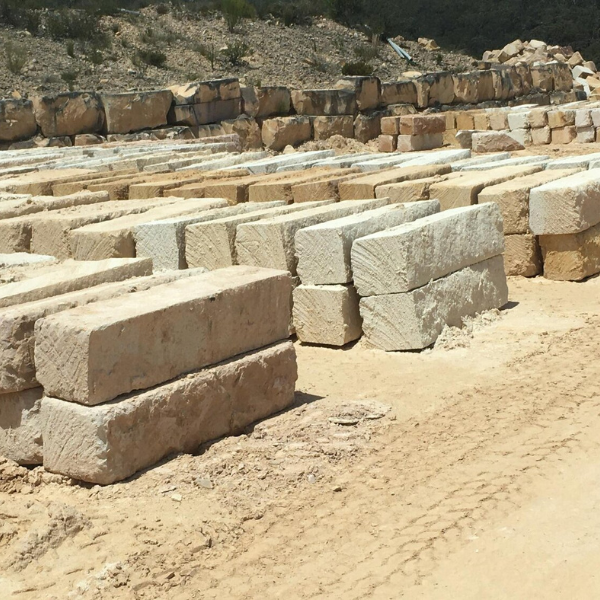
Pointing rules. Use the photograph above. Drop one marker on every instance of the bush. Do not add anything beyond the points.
(209, 52)
(366, 53)
(69, 77)
(235, 52)
(70, 48)
(236, 10)
(75, 25)
(357, 69)
(16, 57)
(162, 9)
(151, 57)
(158, 36)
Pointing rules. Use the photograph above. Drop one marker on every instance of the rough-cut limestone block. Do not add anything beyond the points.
(387, 143)
(364, 187)
(465, 87)
(586, 135)
(413, 143)
(323, 250)
(70, 276)
(522, 255)
(367, 127)
(512, 197)
(567, 205)
(136, 111)
(325, 127)
(583, 118)
(247, 129)
(518, 119)
(414, 320)
(21, 259)
(571, 257)
(498, 120)
(164, 241)
(321, 189)
(561, 118)
(408, 191)
(115, 238)
(464, 190)
(21, 427)
(523, 136)
(285, 131)
(565, 135)
(17, 323)
(399, 92)
(324, 102)
(270, 242)
(107, 443)
(327, 314)
(408, 256)
(541, 136)
(150, 337)
(366, 89)
(494, 141)
(537, 160)
(70, 113)
(212, 245)
(17, 121)
(271, 101)
(40, 183)
(538, 118)
(390, 125)
(206, 91)
(422, 124)
(194, 115)
(584, 161)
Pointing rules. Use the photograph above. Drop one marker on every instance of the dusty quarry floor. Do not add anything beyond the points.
(470, 471)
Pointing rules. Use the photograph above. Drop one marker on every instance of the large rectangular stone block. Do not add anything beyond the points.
(323, 250)
(21, 427)
(70, 276)
(321, 189)
(92, 354)
(512, 197)
(135, 111)
(270, 242)
(327, 314)
(408, 256)
(324, 102)
(567, 205)
(17, 323)
(522, 255)
(107, 443)
(422, 124)
(212, 245)
(70, 113)
(571, 257)
(414, 320)
(17, 121)
(10, 209)
(115, 238)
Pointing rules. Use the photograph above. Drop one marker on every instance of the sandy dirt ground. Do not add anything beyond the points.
(468, 471)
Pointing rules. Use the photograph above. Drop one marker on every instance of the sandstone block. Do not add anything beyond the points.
(107, 443)
(325, 127)
(414, 320)
(323, 250)
(136, 111)
(565, 135)
(399, 92)
(465, 87)
(538, 117)
(522, 255)
(17, 121)
(422, 124)
(494, 141)
(586, 135)
(71, 113)
(158, 334)
(518, 120)
(465, 120)
(541, 136)
(328, 315)
(567, 205)
(481, 121)
(583, 118)
(408, 256)
(194, 115)
(498, 120)
(427, 141)
(324, 102)
(247, 129)
(206, 91)
(272, 101)
(286, 131)
(387, 143)
(367, 90)
(561, 118)
(367, 127)
(390, 125)
(21, 427)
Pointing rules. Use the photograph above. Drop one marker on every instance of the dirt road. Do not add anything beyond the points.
(468, 471)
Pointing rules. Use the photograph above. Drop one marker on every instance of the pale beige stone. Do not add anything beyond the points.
(522, 255)
(21, 427)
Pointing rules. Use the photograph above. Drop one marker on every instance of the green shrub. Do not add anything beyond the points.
(236, 10)
(357, 69)
(69, 77)
(235, 52)
(151, 57)
(16, 57)
(318, 63)
(209, 52)
(70, 45)
(366, 53)
(162, 9)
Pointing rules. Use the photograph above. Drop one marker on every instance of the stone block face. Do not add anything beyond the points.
(586, 135)
(498, 120)
(522, 136)
(21, 427)
(367, 90)
(422, 124)
(17, 121)
(328, 315)
(247, 129)
(465, 88)
(130, 112)
(485, 87)
(441, 88)
(325, 127)
(561, 118)
(286, 131)
(367, 127)
(494, 141)
(158, 334)
(541, 78)
(522, 255)
(273, 101)
(561, 76)
(399, 92)
(390, 125)
(414, 320)
(518, 120)
(387, 143)
(567, 205)
(110, 442)
(323, 250)
(538, 117)
(482, 121)
(571, 257)
(69, 114)
(541, 136)
(324, 102)
(270, 242)
(427, 141)
(583, 118)
(465, 120)
(408, 256)
(194, 115)
(200, 92)
(564, 135)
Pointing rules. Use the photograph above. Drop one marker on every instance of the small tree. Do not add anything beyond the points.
(236, 10)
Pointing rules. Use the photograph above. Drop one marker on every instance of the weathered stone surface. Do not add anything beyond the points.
(327, 314)
(325, 127)
(494, 141)
(364, 187)
(202, 114)
(564, 135)
(270, 242)
(286, 131)
(518, 119)
(272, 101)
(21, 427)
(17, 323)
(586, 135)
(387, 143)
(71, 276)
(366, 89)
(399, 92)
(17, 121)
(326, 188)
(247, 129)
(324, 102)
(367, 127)
(541, 78)
(88, 139)
(567, 205)
(323, 250)
(107, 443)
(115, 238)
(427, 141)
(408, 256)
(541, 136)
(464, 190)
(390, 125)
(422, 124)
(512, 197)
(70, 113)
(465, 87)
(522, 255)
(21, 259)
(206, 91)
(414, 320)
(498, 120)
(464, 137)
(136, 111)
(158, 334)
(212, 244)
(571, 257)
(441, 88)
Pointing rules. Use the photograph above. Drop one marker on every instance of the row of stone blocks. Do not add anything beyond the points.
(99, 382)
